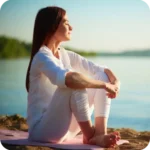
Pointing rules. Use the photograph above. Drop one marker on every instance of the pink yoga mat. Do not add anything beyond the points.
(21, 138)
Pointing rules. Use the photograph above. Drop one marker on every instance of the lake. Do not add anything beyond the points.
(131, 109)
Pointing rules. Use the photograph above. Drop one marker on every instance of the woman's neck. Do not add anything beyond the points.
(53, 46)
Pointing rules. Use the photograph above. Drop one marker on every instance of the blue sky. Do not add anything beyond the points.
(106, 25)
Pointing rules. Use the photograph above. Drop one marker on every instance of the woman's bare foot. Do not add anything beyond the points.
(109, 140)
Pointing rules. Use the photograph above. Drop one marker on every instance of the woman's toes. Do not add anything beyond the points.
(117, 135)
(113, 139)
(109, 140)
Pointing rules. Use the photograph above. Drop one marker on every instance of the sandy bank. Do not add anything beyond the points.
(138, 140)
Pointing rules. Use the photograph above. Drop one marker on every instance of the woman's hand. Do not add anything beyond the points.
(113, 80)
(112, 90)
(117, 83)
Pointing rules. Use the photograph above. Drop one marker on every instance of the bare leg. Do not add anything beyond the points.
(101, 125)
(102, 109)
(55, 122)
(101, 137)
(87, 130)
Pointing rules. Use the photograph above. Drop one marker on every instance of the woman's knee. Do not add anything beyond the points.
(79, 93)
(79, 96)
(101, 76)
(80, 105)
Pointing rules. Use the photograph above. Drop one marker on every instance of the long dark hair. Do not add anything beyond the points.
(46, 24)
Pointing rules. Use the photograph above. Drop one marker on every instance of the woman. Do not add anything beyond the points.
(64, 87)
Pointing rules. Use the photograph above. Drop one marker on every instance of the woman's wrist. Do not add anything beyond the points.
(103, 85)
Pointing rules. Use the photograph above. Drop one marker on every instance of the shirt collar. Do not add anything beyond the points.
(49, 50)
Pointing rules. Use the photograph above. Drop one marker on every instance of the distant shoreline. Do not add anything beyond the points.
(14, 48)
(129, 53)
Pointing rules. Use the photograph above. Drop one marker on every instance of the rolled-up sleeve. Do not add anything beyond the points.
(85, 66)
(47, 65)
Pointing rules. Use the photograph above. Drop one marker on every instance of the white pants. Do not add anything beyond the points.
(68, 107)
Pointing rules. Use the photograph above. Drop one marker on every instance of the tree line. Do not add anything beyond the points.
(14, 48)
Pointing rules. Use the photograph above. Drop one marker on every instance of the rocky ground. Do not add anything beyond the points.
(138, 140)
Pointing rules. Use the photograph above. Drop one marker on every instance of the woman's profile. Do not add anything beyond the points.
(64, 88)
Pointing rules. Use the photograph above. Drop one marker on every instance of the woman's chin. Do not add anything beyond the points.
(67, 39)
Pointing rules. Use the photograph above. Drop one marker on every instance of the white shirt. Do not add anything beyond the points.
(47, 73)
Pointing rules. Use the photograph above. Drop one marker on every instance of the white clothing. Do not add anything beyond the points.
(53, 108)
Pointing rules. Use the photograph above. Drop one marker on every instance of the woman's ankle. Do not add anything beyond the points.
(86, 139)
(92, 140)
(101, 125)
(100, 133)
(87, 129)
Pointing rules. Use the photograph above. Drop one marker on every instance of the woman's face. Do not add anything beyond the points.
(63, 32)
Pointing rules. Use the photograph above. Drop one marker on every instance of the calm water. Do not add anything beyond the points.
(130, 109)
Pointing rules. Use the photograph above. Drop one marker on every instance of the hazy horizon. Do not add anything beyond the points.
(111, 26)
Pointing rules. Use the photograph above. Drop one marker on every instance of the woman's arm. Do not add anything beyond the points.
(86, 67)
(83, 65)
(77, 80)
(61, 77)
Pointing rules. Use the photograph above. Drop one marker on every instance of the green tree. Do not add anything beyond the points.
(12, 48)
